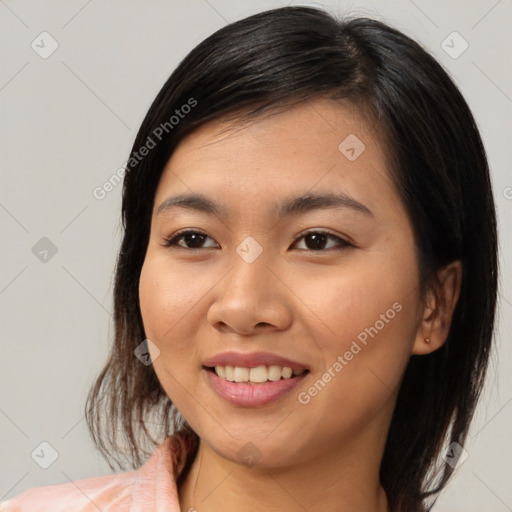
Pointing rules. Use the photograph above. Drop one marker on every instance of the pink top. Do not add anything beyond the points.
(151, 487)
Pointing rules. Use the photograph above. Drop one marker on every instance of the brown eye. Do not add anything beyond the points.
(318, 240)
(188, 240)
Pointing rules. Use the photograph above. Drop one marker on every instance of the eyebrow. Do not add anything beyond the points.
(294, 205)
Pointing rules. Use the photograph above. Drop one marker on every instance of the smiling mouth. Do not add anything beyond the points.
(255, 375)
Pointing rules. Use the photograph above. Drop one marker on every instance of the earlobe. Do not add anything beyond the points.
(438, 310)
(423, 346)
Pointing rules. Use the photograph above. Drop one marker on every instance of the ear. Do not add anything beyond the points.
(438, 309)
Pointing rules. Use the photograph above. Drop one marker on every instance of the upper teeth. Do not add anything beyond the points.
(256, 374)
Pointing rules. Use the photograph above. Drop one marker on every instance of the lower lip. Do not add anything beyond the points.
(252, 395)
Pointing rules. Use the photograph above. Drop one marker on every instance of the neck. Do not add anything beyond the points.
(341, 480)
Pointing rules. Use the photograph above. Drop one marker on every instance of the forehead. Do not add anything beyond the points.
(317, 145)
(307, 128)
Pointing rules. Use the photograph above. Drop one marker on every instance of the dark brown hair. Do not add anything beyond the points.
(277, 59)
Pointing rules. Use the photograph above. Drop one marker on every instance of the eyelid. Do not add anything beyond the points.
(170, 240)
(343, 242)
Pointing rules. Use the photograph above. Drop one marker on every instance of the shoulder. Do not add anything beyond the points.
(86, 495)
(151, 486)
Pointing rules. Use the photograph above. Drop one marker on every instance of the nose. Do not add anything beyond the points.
(250, 299)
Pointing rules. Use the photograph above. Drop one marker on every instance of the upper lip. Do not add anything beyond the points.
(252, 360)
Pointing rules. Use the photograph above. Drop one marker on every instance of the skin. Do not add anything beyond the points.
(301, 304)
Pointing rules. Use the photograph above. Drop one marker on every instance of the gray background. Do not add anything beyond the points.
(67, 124)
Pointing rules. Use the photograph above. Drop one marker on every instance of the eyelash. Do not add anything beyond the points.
(172, 242)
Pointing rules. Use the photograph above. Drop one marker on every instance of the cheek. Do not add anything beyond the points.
(376, 297)
(170, 301)
(369, 319)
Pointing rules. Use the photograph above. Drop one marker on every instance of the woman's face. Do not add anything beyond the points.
(258, 287)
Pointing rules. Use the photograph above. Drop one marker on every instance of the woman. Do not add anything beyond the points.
(300, 303)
